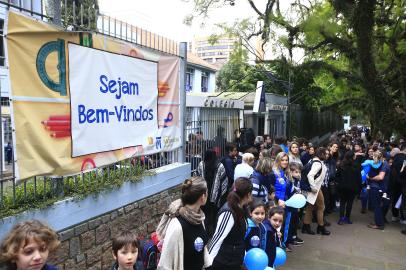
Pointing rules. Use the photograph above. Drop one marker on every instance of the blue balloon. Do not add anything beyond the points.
(280, 258)
(296, 201)
(256, 259)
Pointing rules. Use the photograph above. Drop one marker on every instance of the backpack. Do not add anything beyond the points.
(304, 181)
(150, 254)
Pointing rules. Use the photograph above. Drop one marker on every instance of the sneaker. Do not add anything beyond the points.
(347, 220)
(297, 241)
(402, 221)
(341, 221)
(363, 211)
(288, 248)
(404, 231)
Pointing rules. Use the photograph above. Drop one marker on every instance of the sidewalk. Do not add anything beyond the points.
(351, 247)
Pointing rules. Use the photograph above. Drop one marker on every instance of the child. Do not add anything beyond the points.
(28, 245)
(256, 232)
(125, 251)
(273, 237)
(296, 172)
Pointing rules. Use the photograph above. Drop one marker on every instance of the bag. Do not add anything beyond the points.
(304, 181)
(150, 254)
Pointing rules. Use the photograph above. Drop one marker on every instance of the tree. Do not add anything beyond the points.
(358, 46)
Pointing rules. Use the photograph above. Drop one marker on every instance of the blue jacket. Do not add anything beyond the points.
(272, 242)
(283, 187)
(255, 236)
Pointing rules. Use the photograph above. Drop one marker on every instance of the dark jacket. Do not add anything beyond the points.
(229, 165)
(348, 178)
(397, 166)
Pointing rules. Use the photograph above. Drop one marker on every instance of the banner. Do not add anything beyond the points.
(82, 100)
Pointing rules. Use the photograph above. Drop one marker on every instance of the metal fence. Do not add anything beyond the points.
(45, 189)
(209, 128)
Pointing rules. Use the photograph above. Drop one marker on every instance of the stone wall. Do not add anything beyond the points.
(88, 245)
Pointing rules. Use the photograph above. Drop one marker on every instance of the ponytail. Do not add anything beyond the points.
(242, 187)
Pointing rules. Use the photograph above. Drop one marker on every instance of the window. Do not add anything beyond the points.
(5, 101)
(205, 81)
(189, 79)
(2, 56)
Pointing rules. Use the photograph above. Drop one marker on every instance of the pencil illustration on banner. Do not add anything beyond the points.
(58, 125)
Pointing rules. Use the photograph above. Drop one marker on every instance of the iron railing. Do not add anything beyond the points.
(45, 189)
(209, 128)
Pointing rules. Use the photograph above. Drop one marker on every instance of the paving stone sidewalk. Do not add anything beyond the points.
(351, 247)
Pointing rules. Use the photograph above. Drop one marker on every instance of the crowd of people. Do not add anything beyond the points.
(238, 202)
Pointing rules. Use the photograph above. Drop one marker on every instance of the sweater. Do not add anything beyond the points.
(255, 236)
(173, 249)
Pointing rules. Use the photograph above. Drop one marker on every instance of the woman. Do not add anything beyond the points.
(283, 191)
(227, 248)
(315, 197)
(261, 180)
(378, 179)
(294, 156)
(349, 184)
(331, 163)
(185, 238)
(214, 173)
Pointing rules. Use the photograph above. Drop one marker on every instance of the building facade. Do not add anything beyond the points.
(200, 75)
(217, 54)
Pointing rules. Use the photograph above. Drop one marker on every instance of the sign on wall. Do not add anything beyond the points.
(79, 105)
(110, 100)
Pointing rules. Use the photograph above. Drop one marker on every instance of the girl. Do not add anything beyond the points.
(295, 170)
(28, 245)
(294, 156)
(283, 190)
(349, 184)
(227, 248)
(185, 238)
(255, 237)
(273, 237)
(214, 173)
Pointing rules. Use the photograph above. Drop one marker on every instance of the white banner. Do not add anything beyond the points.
(113, 100)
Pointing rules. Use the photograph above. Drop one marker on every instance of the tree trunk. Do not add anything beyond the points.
(363, 23)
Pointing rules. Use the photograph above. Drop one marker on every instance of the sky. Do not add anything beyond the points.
(165, 17)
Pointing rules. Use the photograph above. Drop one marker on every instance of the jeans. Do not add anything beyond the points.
(376, 200)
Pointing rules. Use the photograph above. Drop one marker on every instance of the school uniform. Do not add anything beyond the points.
(272, 242)
(227, 248)
(255, 237)
(49, 267)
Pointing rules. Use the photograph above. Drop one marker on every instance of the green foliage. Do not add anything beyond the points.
(86, 9)
(38, 193)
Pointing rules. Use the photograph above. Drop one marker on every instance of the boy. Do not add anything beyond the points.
(125, 251)
(273, 235)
